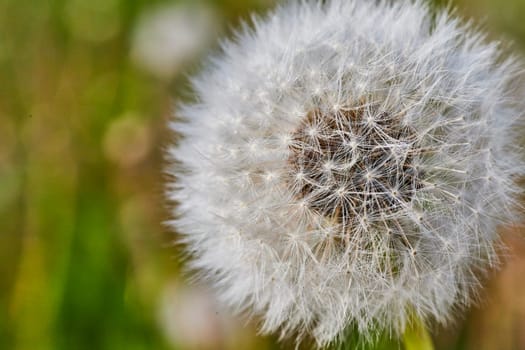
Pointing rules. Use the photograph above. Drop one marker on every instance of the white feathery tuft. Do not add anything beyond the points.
(347, 164)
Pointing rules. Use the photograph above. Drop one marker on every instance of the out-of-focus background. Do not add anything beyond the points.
(86, 89)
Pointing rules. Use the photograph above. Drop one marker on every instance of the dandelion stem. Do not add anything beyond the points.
(416, 336)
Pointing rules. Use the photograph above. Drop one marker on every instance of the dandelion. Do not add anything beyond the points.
(169, 36)
(346, 165)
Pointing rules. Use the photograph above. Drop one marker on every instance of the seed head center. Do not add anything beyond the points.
(354, 163)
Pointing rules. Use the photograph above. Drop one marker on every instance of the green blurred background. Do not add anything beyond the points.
(86, 89)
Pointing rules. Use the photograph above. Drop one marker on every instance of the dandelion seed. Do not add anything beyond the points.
(382, 195)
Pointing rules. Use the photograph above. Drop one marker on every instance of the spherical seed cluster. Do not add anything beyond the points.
(347, 164)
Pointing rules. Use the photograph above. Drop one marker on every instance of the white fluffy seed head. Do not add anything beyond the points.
(347, 164)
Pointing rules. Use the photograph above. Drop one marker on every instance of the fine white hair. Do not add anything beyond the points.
(347, 164)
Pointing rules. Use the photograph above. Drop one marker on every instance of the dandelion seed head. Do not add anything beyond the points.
(364, 154)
